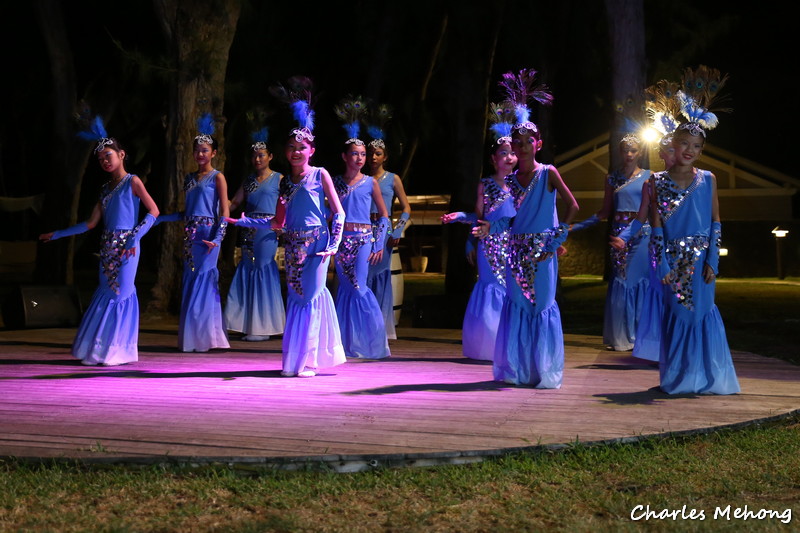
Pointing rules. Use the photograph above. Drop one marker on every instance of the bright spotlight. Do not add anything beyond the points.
(650, 135)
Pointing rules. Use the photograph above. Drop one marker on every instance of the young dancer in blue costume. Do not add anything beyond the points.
(648, 330)
(694, 355)
(201, 327)
(630, 267)
(662, 107)
(530, 340)
(311, 339)
(482, 315)
(109, 330)
(360, 318)
(379, 278)
(255, 301)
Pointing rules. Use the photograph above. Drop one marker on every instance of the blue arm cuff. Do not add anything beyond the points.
(83, 227)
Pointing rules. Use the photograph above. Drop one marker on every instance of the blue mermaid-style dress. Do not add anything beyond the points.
(361, 321)
(201, 326)
(482, 315)
(630, 267)
(530, 340)
(312, 338)
(109, 330)
(255, 302)
(695, 357)
(379, 276)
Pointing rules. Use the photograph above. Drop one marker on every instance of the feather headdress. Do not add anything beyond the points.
(205, 129)
(97, 133)
(502, 118)
(663, 108)
(297, 94)
(701, 99)
(520, 89)
(704, 85)
(379, 116)
(351, 112)
(260, 138)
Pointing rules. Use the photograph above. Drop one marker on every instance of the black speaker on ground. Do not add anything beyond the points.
(42, 306)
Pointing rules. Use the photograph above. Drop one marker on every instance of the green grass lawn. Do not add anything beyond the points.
(749, 478)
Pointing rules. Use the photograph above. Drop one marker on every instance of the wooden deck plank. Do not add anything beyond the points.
(425, 399)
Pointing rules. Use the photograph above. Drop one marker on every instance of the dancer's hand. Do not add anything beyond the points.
(616, 243)
(708, 274)
(481, 230)
(447, 218)
(375, 257)
(326, 253)
(46, 237)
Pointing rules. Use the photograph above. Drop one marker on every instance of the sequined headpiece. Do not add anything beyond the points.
(502, 118)
(260, 138)
(520, 89)
(97, 133)
(631, 138)
(205, 128)
(379, 116)
(298, 96)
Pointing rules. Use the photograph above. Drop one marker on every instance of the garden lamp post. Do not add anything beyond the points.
(780, 234)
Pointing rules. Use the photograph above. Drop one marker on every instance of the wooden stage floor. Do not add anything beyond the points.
(424, 405)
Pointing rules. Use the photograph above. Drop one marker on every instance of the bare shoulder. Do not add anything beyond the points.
(553, 173)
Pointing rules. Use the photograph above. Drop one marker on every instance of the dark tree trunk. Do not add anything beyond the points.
(423, 96)
(379, 51)
(67, 154)
(199, 36)
(471, 65)
(629, 67)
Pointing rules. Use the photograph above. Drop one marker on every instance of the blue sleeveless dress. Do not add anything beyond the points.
(255, 301)
(379, 277)
(109, 330)
(201, 327)
(695, 357)
(312, 338)
(360, 318)
(530, 339)
(651, 314)
(630, 267)
(481, 318)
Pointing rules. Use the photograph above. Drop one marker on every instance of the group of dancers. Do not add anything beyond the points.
(304, 210)
(664, 248)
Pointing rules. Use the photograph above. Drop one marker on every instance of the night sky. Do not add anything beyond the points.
(566, 41)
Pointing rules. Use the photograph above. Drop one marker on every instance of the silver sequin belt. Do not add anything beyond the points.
(297, 234)
(358, 227)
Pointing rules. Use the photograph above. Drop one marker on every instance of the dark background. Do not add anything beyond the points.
(122, 70)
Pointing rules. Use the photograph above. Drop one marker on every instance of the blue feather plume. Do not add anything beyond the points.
(303, 114)
(205, 124)
(96, 131)
(501, 129)
(523, 113)
(697, 113)
(261, 135)
(375, 132)
(352, 129)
